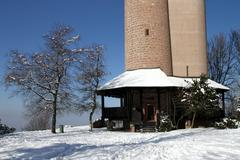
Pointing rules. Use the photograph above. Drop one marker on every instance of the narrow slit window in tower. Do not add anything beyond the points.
(146, 32)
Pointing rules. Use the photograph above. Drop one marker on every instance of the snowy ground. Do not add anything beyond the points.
(78, 143)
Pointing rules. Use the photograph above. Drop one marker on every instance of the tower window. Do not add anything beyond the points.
(146, 32)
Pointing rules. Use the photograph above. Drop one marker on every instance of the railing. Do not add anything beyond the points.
(115, 113)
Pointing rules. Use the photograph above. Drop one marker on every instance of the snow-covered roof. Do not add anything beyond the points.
(151, 78)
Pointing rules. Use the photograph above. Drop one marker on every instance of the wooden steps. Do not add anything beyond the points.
(148, 127)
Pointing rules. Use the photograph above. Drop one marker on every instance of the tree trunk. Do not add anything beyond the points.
(174, 113)
(193, 119)
(178, 121)
(91, 113)
(54, 114)
(90, 120)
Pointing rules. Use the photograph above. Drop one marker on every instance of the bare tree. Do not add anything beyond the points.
(236, 37)
(91, 73)
(223, 64)
(222, 59)
(46, 74)
(236, 86)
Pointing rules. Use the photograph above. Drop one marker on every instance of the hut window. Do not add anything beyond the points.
(111, 102)
(146, 32)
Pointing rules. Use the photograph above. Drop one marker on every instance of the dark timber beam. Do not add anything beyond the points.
(223, 102)
(122, 102)
(158, 100)
(141, 103)
(103, 106)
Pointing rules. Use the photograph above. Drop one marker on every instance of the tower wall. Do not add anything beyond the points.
(147, 35)
(188, 37)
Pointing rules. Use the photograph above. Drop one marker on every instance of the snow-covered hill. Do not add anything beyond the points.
(78, 143)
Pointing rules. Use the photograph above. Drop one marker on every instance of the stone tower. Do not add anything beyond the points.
(147, 35)
(166, 34)
(188, 37)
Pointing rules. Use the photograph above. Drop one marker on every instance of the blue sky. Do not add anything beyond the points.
(23, 22)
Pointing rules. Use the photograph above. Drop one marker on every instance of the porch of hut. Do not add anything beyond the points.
(139, 107)
(144, 94)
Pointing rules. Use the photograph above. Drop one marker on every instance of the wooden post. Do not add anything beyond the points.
(159, 108)
(158, 99)
(103, 106)
(167, 102)
(130, 105)
(122, 102)
(141, 103)
(223, 103)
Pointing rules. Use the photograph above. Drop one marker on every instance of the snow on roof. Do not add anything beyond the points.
(184, 82)
(151, 78)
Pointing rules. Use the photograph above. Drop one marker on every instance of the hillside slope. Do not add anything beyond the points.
(79, 143)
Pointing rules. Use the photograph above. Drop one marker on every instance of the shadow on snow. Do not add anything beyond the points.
(61, 150)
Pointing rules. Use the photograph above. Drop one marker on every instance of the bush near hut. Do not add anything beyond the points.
(99, 123)
(4, 129)
(227, 123)
(165, 123)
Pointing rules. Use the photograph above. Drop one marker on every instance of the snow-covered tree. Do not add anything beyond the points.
(199, 97)
(45, 75)
(90, 74)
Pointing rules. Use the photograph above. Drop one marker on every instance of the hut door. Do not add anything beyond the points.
(149, 103)
(149, 112)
